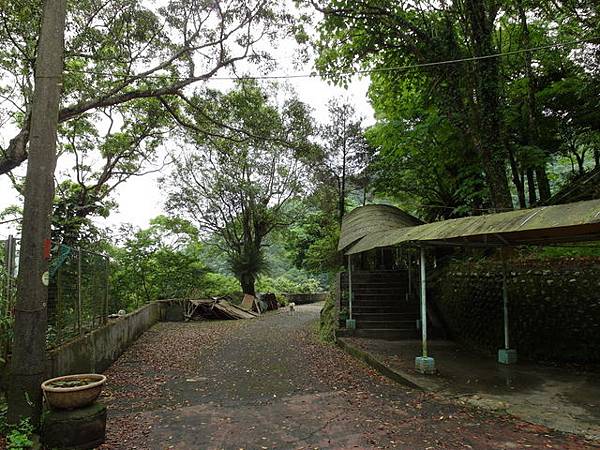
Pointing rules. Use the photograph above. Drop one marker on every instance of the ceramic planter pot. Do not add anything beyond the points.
(73, 391)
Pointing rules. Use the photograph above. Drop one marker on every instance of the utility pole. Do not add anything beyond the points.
(28, 363)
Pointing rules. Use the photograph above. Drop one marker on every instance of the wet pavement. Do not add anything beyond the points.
(560, 398)
(269, 383)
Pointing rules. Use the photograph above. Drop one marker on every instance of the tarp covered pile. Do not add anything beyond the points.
(218, 308)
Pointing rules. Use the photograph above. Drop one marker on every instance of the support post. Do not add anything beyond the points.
(409, 293)
(79, 299)
(9, 266)
(505, 309)
(350, 322)
(59, 308)
(506, 355)
(424, 363)
(106, 297)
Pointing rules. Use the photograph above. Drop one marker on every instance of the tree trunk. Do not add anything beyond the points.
(342, 199)
(532, 132)
(531, 187)
(247, 282)
(543, 182)
(517, 180)
(493, 164)
(580, 163)
(28, 364)
(491, 152)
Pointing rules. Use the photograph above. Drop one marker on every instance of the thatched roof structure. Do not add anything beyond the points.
(573, 222)
(371, 219)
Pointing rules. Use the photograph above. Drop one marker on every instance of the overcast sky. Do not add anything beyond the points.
(140, 198)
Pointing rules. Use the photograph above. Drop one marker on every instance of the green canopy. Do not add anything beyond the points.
(573, 222)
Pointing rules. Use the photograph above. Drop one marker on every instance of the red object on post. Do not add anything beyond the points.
(47, 249)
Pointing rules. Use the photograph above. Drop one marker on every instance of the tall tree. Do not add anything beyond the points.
(239, 179)
(345, 148)
(372, 35)
(28, 363)
(119, 51)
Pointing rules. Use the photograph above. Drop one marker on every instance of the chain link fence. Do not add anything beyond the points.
(78, 292)
(8, 290)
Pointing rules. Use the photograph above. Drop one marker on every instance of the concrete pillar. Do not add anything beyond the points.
(350, 322)
(424, 363)
(506, 355)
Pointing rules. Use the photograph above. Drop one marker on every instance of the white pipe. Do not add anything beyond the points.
(505, 302)
(423, 303)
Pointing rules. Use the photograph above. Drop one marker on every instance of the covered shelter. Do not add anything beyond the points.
(547, 225)
(366, 221)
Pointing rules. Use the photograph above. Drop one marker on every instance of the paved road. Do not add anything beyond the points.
(269, 383)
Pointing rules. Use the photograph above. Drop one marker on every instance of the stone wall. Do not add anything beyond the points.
(301, 299)
(554, 307)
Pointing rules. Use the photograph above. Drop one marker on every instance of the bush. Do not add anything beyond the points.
(218, 285)
(283, 285)
(327, 324)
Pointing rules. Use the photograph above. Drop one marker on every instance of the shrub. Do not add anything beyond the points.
(327, 324)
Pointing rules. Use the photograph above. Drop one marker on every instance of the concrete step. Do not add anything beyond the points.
(387, 334)
(378, 275)
(383, 316)
(398, 313)
(384, 309)
(399, 298)
(379, 291)
(386, 324)
(379, 282)
(381, 301)
(398, 295)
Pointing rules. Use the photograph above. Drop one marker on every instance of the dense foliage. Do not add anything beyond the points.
(450, 136)
(168, 260)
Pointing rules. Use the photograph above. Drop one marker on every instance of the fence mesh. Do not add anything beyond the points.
(78, 293)
(9, 254)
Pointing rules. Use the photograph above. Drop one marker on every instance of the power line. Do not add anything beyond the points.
(348, 73)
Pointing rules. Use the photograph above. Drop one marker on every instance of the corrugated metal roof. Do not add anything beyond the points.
(545, 225)
(370, 219)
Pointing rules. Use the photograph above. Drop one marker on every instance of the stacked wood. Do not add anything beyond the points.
(220, 309)
(260, 304)
(249, 302)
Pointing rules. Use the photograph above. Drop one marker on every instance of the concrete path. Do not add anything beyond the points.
(562, 399)
(269, 383)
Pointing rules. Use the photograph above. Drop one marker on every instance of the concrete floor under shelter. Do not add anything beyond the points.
(562, 399)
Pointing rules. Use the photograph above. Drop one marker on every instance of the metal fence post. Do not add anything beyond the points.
(79, 301)
(59, 309)
(107, 293)
(10, 269)
(9, 266)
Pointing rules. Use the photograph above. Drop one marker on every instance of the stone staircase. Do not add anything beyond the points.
(380, 305)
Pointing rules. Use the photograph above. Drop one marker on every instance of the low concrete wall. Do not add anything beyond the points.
(301, 299)
(96, 351)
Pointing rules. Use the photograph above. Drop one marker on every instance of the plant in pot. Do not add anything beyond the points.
(73, 391)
